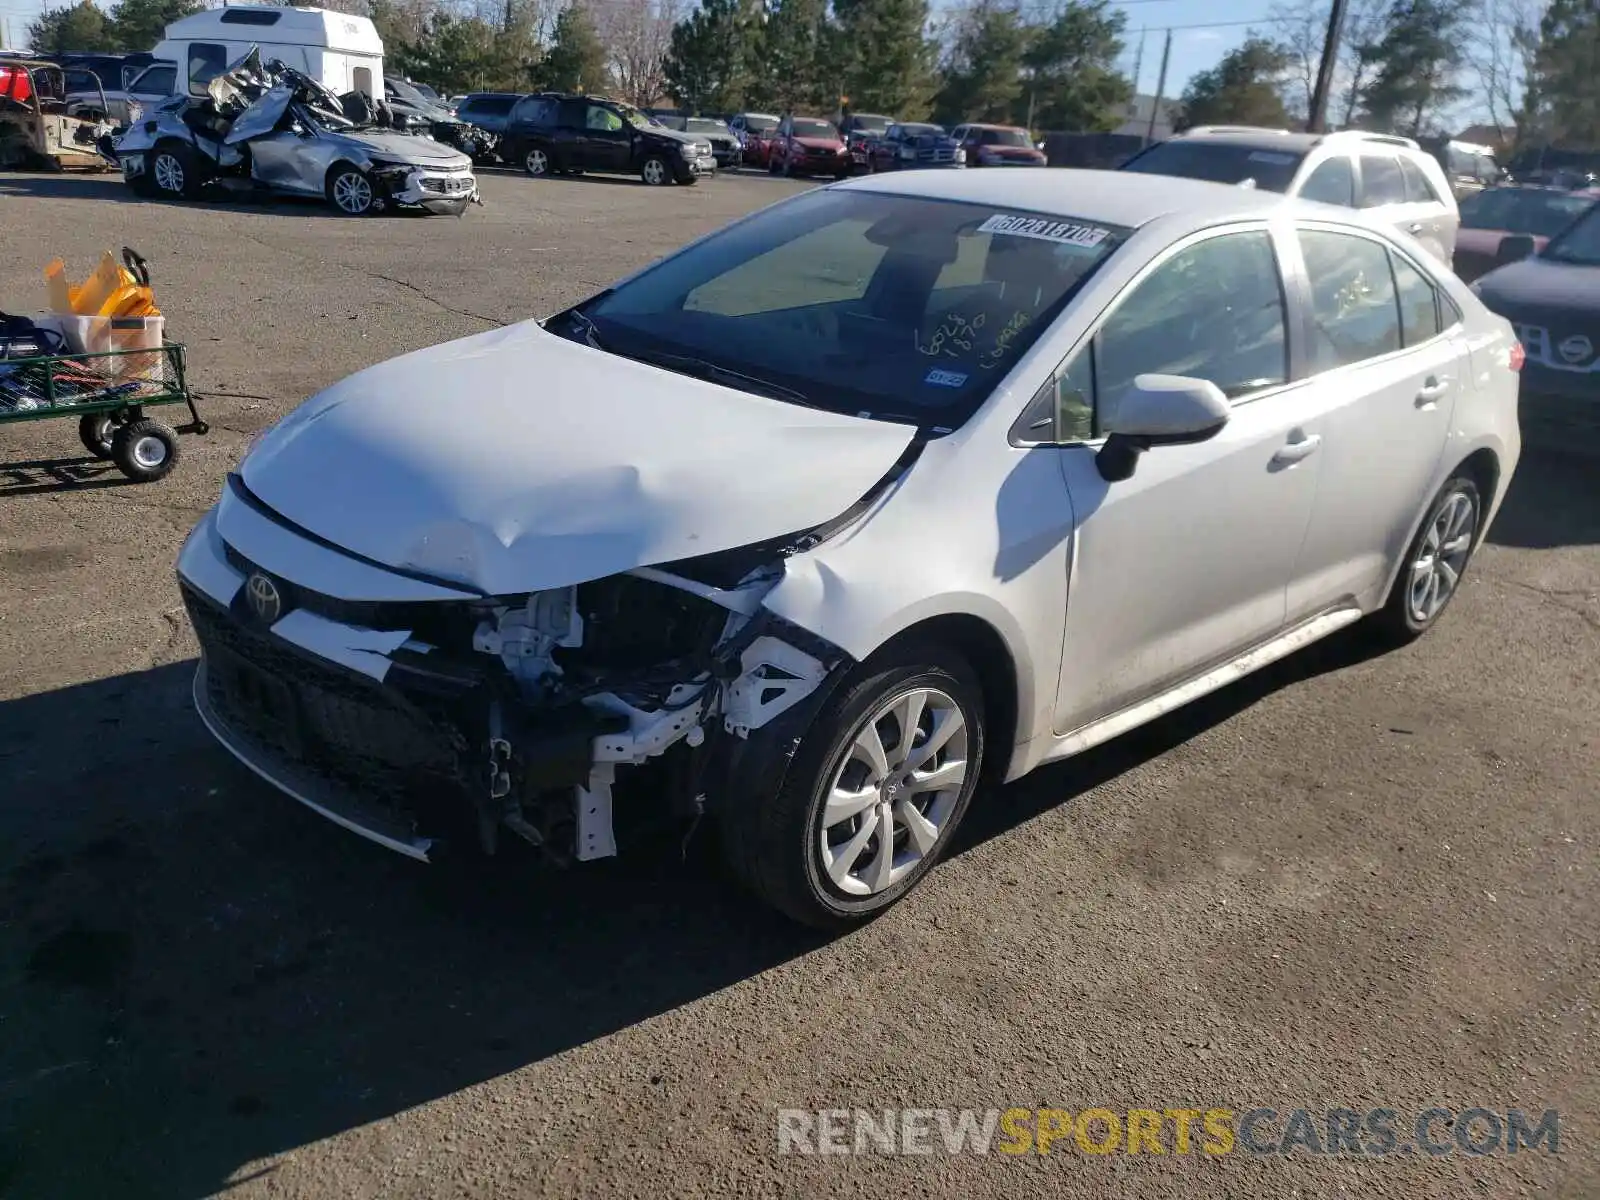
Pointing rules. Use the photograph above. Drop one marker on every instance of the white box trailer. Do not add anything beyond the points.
(343, 53)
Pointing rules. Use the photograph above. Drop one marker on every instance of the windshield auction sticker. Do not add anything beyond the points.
(1064, 232)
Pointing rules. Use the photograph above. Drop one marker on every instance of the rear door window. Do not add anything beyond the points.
(1355, 314)
(1418, 189)
(1381, 181)
(207, 60)
(1333, 182)
(1419, 303)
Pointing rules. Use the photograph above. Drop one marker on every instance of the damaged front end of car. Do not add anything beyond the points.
(425, 723)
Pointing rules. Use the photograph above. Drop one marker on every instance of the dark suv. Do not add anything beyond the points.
(553, 134)
(488, 110)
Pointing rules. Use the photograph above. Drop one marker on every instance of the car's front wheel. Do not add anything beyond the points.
(350, 191)
(175, 171)
(1434, 563)
(536, 162)
(655, 171)
(879, 784)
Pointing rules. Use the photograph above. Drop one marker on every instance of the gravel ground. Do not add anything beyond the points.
(1348, 881)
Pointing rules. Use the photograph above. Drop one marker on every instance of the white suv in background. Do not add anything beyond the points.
(1392, 178)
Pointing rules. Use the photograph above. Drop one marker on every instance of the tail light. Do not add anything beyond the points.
(1518, 355)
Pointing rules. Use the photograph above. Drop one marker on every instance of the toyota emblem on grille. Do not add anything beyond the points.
(265, 599)
(1576, 348)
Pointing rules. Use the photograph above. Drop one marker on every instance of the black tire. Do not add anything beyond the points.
(176, 171)
(141, 185)
(776, 848)
(350, 191)
(145, 450)
(97, 431)
(536, 162)
(1402, 618)
(842, 175)
(772, 165)
(655, 171)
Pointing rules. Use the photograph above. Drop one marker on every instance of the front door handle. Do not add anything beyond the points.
(1295, 451)
(1432, 388)
(1416, 227)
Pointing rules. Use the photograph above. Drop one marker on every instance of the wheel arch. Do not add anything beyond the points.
(981, 647)
(1483, 466)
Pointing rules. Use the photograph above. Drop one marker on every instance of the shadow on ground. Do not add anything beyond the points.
(1553, 501)
(196, 974)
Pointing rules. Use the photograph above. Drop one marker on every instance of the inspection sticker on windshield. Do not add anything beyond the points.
(944, 378)
(1271, 156)
(1065, 232)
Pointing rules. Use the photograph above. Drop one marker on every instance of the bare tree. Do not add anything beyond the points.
(1300, 27)
(1497, 54)
(637, 35)
(1364, 24)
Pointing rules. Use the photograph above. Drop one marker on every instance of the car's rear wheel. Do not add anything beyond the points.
(880, 782)
(350, 191)
(655, 172)
(1434, 563)
(536, 162)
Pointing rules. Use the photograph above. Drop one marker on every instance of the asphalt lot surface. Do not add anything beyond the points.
(1349, 881)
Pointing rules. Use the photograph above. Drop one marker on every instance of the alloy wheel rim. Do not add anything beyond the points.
(653, 172)
(537, 163)
(352, 193)
(892, 795)
(1437, 569)
(149, 452)
(169, 173)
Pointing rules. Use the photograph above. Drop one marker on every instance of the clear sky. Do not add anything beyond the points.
(1192, 49)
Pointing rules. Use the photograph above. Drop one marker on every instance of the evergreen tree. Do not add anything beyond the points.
(576, 59)
(795, 74)
(1073, 84)
(1561, 102)
(983, 74)
(140, 24)
(1245, 88)
(82, 27)
(714, 52)
(1415, 66)
(888, 60)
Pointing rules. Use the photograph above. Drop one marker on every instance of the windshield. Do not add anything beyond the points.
(922, 130)
(1580, 244)
(895, 307)
(427, 91)
(760, 124)
(1522, 210)
(406, 92)
(804, 127)
(867, 123)
(706, 125)
(1003, 137)
(1219, 162)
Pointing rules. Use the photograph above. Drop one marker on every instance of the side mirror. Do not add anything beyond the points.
(1159, 410)
(1514, 247)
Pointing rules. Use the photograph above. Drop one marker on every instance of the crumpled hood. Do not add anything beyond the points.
(407, 148)
(517, 460)
(1541, 283)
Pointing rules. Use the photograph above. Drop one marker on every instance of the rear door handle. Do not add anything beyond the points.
(1433, 387)
(1300, 448)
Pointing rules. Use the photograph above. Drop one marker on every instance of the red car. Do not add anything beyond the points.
(809, 146)
(998, 146)
(1487, 217)
(754, 132)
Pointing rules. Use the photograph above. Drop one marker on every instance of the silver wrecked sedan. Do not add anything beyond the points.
(275, 129)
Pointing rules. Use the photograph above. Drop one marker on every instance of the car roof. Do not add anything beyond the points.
(1107, 197)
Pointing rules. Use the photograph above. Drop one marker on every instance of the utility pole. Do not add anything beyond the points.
(1317, 119)
(1138, 64)
(1161, 88)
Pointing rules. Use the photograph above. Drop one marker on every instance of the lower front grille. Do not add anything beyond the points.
(351, 732)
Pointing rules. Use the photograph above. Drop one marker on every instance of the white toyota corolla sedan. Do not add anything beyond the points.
(844, 514)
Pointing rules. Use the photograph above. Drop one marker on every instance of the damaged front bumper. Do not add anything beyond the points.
(446, 193)
(412, 746)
